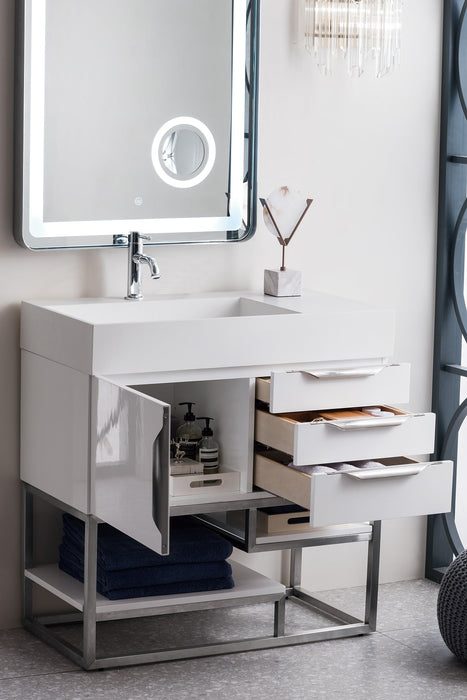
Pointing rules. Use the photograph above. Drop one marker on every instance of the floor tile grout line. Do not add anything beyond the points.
(40, 675)
(404, 644)
(431, 628)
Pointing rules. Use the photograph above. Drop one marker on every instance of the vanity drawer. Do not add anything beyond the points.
(345, 435)
(401, 488)
(314, 389)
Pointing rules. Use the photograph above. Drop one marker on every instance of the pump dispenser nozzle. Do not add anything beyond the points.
(189, 415)
(207, 430)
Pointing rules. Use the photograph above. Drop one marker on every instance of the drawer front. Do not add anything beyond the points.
(402, 488)
(346, 440)
(315, 389)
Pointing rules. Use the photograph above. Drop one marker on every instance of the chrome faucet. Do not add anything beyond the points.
(136, 258)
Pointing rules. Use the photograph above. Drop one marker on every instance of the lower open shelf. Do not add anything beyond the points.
(250, 586)
(81, 644)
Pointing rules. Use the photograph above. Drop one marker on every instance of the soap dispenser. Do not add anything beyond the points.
(208, 449)
(189, 432)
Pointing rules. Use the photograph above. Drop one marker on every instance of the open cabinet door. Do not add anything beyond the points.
(130, 462)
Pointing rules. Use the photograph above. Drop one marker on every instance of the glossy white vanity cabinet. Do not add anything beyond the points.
(101, 380)
(102, 447)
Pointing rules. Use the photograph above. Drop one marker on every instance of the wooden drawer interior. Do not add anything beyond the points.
(298, 417)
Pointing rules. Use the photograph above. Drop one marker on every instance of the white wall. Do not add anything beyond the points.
(365, 150)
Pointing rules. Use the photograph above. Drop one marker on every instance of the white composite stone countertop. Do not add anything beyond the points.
(226, 329)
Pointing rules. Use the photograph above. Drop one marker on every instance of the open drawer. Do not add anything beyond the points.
(319, 388)
(401, 487)
(320, 437)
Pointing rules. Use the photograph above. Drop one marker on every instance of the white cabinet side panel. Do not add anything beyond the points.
(55, 429)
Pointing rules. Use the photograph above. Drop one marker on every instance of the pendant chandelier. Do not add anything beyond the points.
(359, 30)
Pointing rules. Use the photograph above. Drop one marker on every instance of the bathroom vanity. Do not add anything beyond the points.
(101, 380)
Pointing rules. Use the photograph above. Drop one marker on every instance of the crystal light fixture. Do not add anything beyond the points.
(356, 29)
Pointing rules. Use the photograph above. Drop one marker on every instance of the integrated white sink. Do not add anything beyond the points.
(177, 309)
(186, 332)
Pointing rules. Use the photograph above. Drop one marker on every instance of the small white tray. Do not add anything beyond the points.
(198, 484)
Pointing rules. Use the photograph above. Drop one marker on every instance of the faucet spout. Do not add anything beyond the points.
(150, 262)
(136, 258)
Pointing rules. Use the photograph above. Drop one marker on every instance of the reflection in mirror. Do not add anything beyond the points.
(183, 152)
(102, 83)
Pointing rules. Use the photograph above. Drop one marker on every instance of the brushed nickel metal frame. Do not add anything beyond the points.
(88, 657)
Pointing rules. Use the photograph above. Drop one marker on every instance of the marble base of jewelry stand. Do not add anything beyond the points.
(283, 283)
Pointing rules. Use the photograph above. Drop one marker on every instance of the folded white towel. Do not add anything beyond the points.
(372, 410)
(313, 468)
(367, 464)
(343, 467)
(377, 412)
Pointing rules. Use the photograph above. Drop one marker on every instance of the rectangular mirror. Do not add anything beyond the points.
(135, 115)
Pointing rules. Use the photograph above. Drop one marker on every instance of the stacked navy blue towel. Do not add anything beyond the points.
(128, 569)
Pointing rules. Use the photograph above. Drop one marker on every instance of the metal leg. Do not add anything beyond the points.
(27, 551)
(90, 578)
(250, 527)
(372, 579)
(279, 617)
(295, 567)
(87, 656)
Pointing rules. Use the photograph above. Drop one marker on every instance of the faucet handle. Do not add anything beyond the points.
(135, 236)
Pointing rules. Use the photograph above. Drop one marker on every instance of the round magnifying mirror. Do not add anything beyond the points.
(183, 152)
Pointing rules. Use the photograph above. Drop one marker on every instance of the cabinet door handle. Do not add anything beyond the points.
(160, 481)
(350, 373)
(366, 423)
(387, 472)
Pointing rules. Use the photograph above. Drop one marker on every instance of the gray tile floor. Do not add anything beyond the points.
(405, 658)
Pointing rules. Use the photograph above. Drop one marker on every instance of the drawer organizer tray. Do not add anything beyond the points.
(320, 388)
(314, 437)
(225, 480)
(283, 519)
(401, 487)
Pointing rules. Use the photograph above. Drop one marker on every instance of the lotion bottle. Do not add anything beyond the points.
(208, 449)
